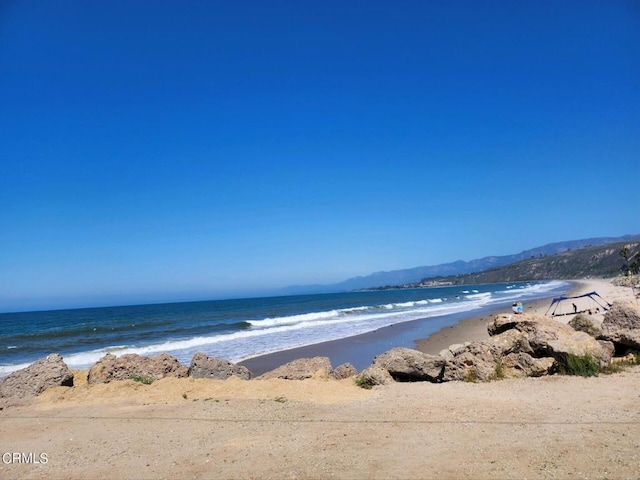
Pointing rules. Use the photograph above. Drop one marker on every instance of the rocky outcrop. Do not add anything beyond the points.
(540, 336)
(25, 384)
(345, 370)
(527, 345)
(131, 366)
(300, 369)
(406, 365)
(621, 325)
(203, 366)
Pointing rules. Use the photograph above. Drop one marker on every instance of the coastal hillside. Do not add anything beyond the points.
(460, 267)
(592, 261)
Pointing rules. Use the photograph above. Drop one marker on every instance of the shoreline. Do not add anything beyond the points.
(428, 335)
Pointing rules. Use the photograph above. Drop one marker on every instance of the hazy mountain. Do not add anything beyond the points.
(416, 274)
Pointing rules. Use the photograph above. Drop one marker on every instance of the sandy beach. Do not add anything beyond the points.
(551, 427)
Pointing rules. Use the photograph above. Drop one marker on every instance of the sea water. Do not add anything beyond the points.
(242, 328)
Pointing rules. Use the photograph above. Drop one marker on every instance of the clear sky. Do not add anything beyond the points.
(155, 151)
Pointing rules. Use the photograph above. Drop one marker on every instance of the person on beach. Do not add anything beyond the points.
(575, 309)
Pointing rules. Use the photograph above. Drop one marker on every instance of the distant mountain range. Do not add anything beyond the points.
(593, 261)
(418, 274)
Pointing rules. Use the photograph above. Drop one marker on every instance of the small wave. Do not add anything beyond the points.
(293, 319)
(475, 296)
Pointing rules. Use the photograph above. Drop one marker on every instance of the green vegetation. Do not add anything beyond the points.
(499, 373)
(471, 376)
(619, 364)
(582, 365)
(144, 379)
(633, 267)
(362, 382)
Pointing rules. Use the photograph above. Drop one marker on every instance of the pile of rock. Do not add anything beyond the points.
(526, 345)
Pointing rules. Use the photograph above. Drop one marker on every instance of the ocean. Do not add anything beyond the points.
(241, 329)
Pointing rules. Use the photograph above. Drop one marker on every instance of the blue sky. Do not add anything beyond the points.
(160, 151)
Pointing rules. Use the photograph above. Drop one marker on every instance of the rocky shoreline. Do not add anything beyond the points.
(524, 345)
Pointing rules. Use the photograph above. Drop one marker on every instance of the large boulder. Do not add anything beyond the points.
(131, 366)
(621, 316)
(587, 324)
(203, 366)
(300, 369)
(534, 332)
(578, 344)
(621, 325)
(25, 384)
(474, 361)
(407, 365)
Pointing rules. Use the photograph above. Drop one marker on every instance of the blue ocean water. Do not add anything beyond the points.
(240, 329)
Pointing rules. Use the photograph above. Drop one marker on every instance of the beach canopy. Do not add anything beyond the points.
(593, 296)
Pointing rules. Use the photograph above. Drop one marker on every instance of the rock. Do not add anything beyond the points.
(621, 325)
(540, 336)
(621, 316)
(477, 361)
(534, 333)
(300, 369)
(512, 341)
(407, 365)
(345, 370)
(520, 364)
(23, 385)
(587, 324)
(579, 344)
(111, 368)
(374, 375)
(203, 366)
(609, 347)
(502, 323)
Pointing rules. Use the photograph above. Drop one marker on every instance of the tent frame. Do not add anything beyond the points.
(592, 296)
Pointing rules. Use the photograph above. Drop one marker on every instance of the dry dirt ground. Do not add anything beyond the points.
(554, 427)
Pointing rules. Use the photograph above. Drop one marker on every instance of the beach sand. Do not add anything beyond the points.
(553, 427)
